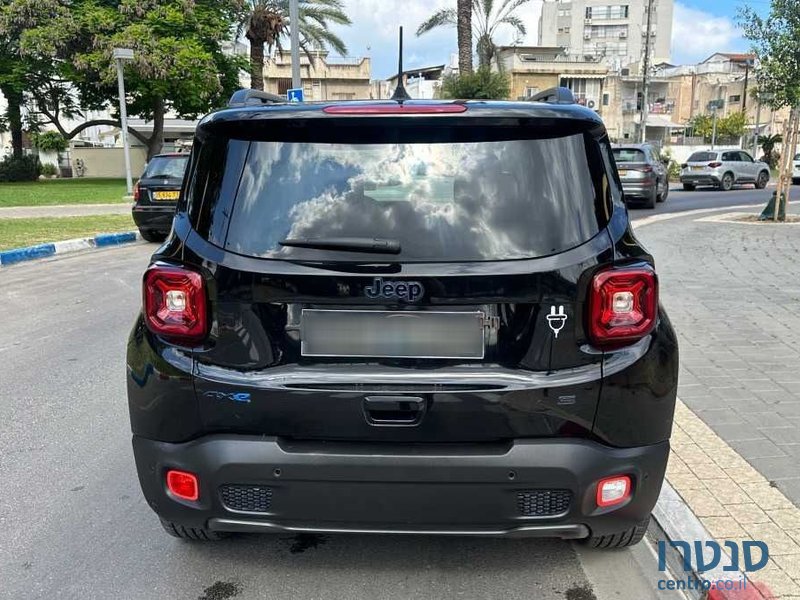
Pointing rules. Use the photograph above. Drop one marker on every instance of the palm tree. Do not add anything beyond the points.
(487, 17)
(267, 23)
(768, 143)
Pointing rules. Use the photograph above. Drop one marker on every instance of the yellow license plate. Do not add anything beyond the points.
(165, 195)
(697, 168)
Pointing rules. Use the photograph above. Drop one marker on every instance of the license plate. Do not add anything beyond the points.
(697, 168)
(392, 334)
(165, 195)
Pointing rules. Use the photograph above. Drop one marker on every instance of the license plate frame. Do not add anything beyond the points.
(392, 334)
(166, 196)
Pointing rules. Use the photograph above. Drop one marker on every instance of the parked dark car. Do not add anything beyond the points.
(402, 317)
(156, 194)
(643, 175)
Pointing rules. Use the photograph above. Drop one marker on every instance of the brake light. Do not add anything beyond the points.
(393, 109)
(715, 164)
(183, 485)
(613, 490)
(175, 303)
(136, 192)
(623, 305)
(685, 166)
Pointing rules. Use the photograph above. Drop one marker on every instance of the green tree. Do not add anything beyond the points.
(266, 23)
(50, 141)
(732, 126)
(483, 84)
(179, 63)
(768, 143)
(487, 17)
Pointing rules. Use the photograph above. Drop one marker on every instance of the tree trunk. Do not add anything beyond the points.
(257, 65)
(485, 51)
(464, 28)
(14, 114)
(156, 141)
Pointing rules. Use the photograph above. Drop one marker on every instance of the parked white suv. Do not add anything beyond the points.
(723, 169)
(796, 170)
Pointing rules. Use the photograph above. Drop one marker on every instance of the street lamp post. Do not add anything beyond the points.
(120, 55)
(294, 30)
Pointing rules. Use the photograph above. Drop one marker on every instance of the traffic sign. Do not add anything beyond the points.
(294, 95)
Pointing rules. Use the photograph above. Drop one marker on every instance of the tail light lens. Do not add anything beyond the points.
(183, 485)
(136, 192)
(175, 303)
(714, 165)
(623, 305)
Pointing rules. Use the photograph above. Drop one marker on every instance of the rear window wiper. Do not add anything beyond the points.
(351, 244)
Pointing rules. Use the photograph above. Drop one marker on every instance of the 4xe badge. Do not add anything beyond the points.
(408, 291)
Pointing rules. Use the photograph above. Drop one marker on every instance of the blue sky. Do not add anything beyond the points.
(700, 28)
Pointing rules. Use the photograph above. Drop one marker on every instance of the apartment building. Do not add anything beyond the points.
(612, 30)
(533, 69)
(340, 78)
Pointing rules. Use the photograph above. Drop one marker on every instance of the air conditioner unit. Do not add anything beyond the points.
(625, 72)
(587, 36)
(623, 34)
(587, 21)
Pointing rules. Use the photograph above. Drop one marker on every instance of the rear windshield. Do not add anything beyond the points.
(449, 201)
(629, 155)
(702, 157)
(166, 167)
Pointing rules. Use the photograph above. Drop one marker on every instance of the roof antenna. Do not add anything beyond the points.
(400, 94)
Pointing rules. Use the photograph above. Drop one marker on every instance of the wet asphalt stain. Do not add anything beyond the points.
(221, 590)
(305, 541)
(583, 592)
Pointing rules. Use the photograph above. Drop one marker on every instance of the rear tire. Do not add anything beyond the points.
(198, 534)
(651, 201)
(152, 236)
(689, 187)
(761, 181)
(726, 183)
(622, 539)
(663, 197)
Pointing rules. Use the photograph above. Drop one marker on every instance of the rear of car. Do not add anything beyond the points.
(796, 169)
(723, 169)
(156, 194)
(644, 178)
(402, 318)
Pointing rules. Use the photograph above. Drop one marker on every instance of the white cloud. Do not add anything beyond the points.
(375, 24)
(697, 34)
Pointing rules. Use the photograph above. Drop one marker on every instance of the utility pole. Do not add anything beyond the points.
(646, 74)
(714, 130)
(120, 55)
(294, 19)
(758, 126)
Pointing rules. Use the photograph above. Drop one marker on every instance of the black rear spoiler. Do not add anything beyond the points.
(555, 95)
(245, 97)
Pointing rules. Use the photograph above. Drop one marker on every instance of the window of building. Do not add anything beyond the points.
(606, 98)
(530, 92)
(564, 12)
(734, 99)
(607, 12)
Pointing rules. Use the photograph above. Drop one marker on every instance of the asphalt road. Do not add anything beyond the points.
(73, 523)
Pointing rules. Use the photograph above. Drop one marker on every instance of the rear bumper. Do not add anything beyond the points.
(544, 488)
(639, 189)
(156, 218)
(701, 179)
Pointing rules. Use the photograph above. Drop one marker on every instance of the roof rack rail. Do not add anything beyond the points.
(245, 97)
(555, 95)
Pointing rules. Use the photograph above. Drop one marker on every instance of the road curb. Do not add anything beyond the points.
(101, 240)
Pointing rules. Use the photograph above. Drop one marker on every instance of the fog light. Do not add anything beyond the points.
(613, 490)
(183, 485)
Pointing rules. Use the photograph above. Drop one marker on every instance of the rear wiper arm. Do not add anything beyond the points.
(351, 244)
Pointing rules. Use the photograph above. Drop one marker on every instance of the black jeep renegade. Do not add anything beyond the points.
(402, 317)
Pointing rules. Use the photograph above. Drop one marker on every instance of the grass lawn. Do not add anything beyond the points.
(62, 191)
(16, 233)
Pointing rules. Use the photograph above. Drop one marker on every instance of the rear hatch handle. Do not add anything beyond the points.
(394, 411)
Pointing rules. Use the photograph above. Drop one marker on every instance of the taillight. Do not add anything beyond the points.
(714, 165)
(183, 485)
(645, 169)
(136, 192)
(175, 303)
(685, 166)
(623, 305)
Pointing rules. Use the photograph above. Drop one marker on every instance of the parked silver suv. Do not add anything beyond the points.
(723, 169)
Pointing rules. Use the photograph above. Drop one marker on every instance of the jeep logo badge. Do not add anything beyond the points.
(408, 291)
